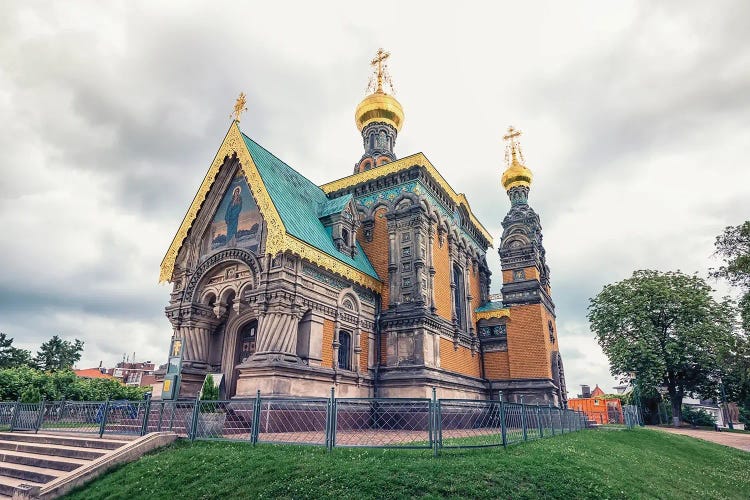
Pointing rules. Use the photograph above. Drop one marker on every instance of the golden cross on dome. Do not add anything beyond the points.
(377, 62)
(239, 107)
(514, 148)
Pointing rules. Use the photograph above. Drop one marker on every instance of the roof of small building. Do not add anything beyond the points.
(490, 306)
(597, 392)
(91, 373)
(299, 203)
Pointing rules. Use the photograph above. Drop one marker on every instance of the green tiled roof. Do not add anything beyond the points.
(300, 203)
(490, 306)
(335, 206)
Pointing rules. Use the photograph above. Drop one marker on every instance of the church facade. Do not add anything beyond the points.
(376, 284)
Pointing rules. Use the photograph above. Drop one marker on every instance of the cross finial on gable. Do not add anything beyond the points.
(239, 107)
(513, 149)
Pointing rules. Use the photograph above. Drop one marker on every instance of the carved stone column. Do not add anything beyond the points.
(277, 335)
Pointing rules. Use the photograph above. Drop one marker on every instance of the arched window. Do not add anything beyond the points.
(345, 350)
(551, 331)
(458, 294)
(247, 338)
(345, 236)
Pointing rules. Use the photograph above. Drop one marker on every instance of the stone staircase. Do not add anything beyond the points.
(47, 465)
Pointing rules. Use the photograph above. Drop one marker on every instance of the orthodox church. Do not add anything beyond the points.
(376, 284)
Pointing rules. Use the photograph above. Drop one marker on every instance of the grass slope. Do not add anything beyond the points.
(591, 464)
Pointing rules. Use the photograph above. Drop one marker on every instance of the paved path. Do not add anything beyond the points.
(733, 439)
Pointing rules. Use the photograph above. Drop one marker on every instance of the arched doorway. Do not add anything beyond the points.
(246, 341)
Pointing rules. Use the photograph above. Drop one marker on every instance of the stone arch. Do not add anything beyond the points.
(221, 257)
(229, 355)
(349, 295)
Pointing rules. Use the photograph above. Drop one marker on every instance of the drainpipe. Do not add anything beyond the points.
(377, 348)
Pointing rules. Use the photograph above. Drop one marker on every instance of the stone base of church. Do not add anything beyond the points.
(191, 382)
(534, 391)
(281, 378)
(418, 381)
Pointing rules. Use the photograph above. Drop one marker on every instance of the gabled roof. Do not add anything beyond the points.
(405, 164)
(290, 205)
(335, 206)
(299, 203)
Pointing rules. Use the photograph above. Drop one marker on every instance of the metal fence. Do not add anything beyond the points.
(428, 423)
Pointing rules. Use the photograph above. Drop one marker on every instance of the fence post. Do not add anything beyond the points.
(103, 423)
(144, 424)
(502, 419)
(436, 422)
(255, 425)
(14, 418)
(161, 415)
(194, 420)
(331, 421)
(539, 421)
(62, 409)
(551, 419)
(39, 417)
(523, 420)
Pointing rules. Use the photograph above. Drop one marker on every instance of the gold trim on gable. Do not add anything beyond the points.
(497, 313)
(277, 239)
(404, 164)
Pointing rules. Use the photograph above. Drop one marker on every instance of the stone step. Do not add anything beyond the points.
(39, 475)
(48, 449)
(8, 485)
(77, 441)
(19, 457)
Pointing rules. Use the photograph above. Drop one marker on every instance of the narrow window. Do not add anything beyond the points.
(458, 294)
(345, 350)
(247, 341)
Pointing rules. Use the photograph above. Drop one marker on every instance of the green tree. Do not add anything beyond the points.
(733, 246)
(58, 354)
(12, 357)
(665, 329)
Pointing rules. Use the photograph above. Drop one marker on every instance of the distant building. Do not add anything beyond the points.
(134, 374)
(598, 408)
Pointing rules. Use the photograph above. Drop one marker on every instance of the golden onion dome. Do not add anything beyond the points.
(516, 175)
(379, 107)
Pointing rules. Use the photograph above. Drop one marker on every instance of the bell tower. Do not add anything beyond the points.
(379, 117)
(536, 370)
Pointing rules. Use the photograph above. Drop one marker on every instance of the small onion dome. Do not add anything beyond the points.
(516, 175)
(379, 107)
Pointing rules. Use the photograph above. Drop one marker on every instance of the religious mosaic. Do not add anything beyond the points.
(237, 222)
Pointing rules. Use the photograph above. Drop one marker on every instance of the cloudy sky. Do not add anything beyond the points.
(636, 121)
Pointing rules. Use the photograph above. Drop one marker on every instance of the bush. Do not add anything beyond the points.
(210, 390)
(26, 383)
(697, 417)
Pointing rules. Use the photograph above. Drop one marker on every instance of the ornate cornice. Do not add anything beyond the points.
(277, 239)
(497, 313)
(401, 165)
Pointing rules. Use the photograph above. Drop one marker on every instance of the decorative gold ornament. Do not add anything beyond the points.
(516, 174)
(379, 106)
(277, 239)
(405, 164)
(239, 107)
(497, 313)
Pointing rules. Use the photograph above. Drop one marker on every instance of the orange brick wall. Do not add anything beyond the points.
(442, 279)
(528, 342)
(476, 293)
(327, 353)
(364, 344)
(496, 365)
(377, 251)
(531, 273)
(459, 361)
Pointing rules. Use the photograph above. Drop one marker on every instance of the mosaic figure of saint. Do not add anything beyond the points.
(232, 215)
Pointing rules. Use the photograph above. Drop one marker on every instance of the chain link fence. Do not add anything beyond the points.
(428, 423)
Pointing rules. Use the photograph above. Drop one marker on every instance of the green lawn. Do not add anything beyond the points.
(590, 464)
